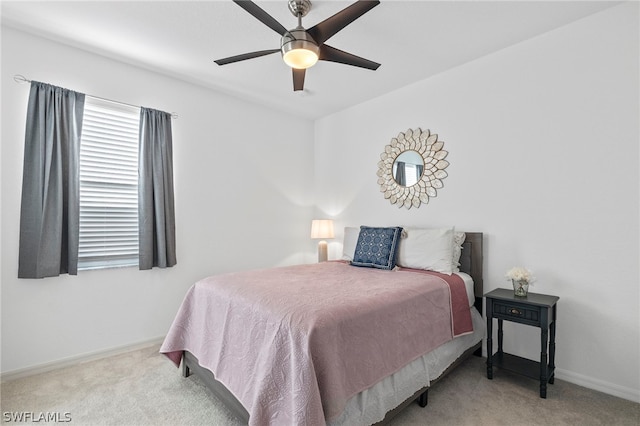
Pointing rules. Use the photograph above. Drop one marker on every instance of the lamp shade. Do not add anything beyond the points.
(322, 228)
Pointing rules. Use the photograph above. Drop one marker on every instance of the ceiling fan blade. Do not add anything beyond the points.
(261, 15)
(330, 26)
(298, 79)
(331, 54)
(245, 56)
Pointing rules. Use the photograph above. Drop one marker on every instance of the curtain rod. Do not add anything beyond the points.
(18, 78)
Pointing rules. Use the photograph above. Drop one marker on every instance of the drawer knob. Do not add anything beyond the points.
(514, 311)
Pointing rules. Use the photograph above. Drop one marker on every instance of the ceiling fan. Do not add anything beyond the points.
(302, 48)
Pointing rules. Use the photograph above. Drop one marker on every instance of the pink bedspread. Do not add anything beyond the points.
(293, 344)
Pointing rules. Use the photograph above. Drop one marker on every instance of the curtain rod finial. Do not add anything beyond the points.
(19, 78)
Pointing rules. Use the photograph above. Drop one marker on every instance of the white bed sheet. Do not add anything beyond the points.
(371, 406)
(468, 284)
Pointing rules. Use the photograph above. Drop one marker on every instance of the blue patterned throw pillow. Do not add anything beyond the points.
(377, 247)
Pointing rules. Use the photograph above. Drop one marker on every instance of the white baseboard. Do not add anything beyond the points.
(599, 385)
(569, 376)
(75, 360)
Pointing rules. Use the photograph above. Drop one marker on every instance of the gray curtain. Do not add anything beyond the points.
(401, 178)
(155, 191)
(49, 213)
(419, 170)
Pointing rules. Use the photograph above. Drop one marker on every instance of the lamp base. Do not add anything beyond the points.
(322, 251)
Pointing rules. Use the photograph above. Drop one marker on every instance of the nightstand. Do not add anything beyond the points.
(538, 310)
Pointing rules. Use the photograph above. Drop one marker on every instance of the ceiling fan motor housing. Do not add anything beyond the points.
(299, 40)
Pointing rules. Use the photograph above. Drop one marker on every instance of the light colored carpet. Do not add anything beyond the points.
(143, 388)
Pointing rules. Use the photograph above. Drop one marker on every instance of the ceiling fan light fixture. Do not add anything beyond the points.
(300, 58)
(299, 50)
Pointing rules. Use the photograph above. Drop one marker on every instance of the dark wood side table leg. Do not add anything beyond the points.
(500, 338)
(489, 341)
(552, 348)
(544, 337)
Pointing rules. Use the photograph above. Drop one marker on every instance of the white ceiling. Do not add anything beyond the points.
(413, 40)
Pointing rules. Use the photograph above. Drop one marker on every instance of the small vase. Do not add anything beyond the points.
(520, 288)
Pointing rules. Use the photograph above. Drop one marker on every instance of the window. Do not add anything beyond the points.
(411, 174)
(109, 200)
(108, 185)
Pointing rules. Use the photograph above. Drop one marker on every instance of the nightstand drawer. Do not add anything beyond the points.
(526, 314)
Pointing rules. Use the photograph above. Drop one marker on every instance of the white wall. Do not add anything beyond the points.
(225, 221)
(543, 140)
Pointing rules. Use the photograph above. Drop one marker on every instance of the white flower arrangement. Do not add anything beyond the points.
(518, 273)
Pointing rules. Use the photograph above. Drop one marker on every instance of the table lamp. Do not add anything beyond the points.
(320, 229)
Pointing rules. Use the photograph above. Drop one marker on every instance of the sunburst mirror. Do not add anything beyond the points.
(411, 168)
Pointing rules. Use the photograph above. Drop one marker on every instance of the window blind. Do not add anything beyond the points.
(108, 185)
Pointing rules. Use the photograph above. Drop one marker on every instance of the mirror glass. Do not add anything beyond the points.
(408, 168)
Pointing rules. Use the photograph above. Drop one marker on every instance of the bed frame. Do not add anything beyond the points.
(471, 262)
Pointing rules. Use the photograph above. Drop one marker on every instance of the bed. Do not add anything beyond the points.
(321, 372)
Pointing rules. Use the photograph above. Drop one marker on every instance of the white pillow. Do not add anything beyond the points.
(350, 241)
(430, 249)
(458, 240)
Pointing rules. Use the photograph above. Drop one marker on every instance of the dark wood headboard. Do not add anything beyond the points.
(471, 263)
